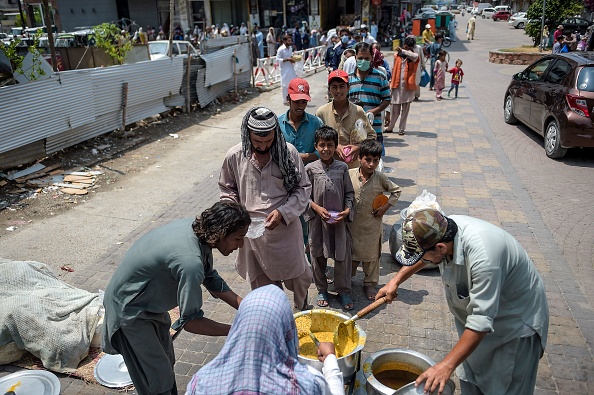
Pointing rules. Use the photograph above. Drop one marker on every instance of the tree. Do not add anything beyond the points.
(115, 43)
(555, 12)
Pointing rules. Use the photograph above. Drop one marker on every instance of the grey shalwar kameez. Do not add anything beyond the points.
(333, 190)
(161, 270)
(491, 285)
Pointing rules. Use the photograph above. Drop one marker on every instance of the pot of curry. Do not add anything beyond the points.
(322, 324)
(387, 372)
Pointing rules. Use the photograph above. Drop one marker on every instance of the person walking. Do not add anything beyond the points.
(266, 174)
(470, 26)
(452, 28)
(441, 67)
(434, 49)
(544, 43)
(457, 75)
(402, 85)
(271, 42)
(284, 57)
(495, 294)
(259, 40)
(162, 270)
(420, 66)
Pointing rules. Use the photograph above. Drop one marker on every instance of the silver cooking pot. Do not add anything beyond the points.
(397, 359)
(327, 320)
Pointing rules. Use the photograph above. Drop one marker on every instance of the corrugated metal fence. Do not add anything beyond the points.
(41, 117)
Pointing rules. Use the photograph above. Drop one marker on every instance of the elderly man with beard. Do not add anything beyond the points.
(266, 175)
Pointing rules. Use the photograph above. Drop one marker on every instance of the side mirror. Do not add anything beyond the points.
(518, 76)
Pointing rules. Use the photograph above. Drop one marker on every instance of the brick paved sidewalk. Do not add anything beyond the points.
(455, 155)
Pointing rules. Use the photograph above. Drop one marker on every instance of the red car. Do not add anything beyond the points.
(501, 16)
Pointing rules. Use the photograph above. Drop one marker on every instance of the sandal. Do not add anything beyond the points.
(388, 131)
(370, 292)
(322, 299)
(346, 302)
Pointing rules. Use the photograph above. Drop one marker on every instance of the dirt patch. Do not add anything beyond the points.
(114, 155)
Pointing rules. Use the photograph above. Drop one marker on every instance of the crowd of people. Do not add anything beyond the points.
(300, 189)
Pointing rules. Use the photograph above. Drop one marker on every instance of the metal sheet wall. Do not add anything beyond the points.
(74, 106)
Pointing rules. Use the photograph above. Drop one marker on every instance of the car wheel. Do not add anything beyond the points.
(494, 19)
(552, 142)
(508, 111)
(484, 17)
(520, 25)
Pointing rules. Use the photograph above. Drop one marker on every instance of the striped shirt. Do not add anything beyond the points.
(369, 93)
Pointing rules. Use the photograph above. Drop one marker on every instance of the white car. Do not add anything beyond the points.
(160, 49)
(487, 12)
(518, 20)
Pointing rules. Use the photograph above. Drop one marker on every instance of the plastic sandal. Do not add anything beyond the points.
(346, 302)
(322, 299)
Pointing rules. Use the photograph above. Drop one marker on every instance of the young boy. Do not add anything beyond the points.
(366, 228)
(457, 75)
(330, 206)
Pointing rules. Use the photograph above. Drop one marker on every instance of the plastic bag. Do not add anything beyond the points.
(360, 132)
(423, 201)
(425, 78)
(299, 68)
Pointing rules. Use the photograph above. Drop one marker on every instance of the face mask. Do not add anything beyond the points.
(344, 39)
(363, 65)
(363, 34)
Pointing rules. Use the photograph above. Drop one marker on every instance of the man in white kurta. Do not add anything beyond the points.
(266, 175)
(284, 57)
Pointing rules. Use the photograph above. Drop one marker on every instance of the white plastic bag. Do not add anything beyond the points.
(360, 132)
(423, 201)
(299, 68)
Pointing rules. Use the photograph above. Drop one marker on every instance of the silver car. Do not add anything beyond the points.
(518, 20)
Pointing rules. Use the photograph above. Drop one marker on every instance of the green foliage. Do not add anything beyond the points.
(555, 12)
(16, 60)
(115, 44)
(37, 16)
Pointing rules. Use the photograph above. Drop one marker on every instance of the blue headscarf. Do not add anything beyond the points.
(260, 354)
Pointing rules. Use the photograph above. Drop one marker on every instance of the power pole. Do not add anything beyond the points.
(23, 22)
(50, 34)
(171, 15)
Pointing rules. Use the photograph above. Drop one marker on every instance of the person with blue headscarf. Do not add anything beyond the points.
(260, 354)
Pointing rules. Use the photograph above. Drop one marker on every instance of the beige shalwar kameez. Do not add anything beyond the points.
(345, 126)
(366, 229)
(278, 255)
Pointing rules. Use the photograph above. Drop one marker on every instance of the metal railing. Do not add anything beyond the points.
(267, 70)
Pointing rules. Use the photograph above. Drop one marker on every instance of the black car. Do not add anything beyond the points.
(572, 25)
(555, 97)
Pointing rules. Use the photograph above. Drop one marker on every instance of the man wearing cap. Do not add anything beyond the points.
(342, 115)
(493, 290)
(266, 175)
(284, 57)
(428, 36)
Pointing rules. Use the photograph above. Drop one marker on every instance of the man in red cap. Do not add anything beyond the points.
(299, 127)
(343, 116)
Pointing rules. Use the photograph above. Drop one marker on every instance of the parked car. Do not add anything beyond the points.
(554, 96)
(469, 8)
(487, 12)
(160, 49)
(426, 12)
(518, 20)
(571, 25)
(501, 16)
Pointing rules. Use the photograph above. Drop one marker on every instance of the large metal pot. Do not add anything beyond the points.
(397, 359)
(328, 320)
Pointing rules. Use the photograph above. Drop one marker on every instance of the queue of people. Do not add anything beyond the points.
(311, 182)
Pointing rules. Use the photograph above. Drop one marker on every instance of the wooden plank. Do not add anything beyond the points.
(73, 191)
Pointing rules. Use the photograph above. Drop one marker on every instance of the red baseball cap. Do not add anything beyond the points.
(340, 74)
(299, 89)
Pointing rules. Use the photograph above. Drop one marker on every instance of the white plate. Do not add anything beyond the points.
(111, 371)
(28, 382)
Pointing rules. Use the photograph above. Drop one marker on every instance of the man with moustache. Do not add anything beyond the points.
(266, 175)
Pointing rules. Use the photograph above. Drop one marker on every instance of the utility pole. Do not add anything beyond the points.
(23, 22)
(171, 16)
(50, 34)
(542, 22)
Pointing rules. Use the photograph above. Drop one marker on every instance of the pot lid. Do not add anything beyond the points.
(28, 382)
(111, 371)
